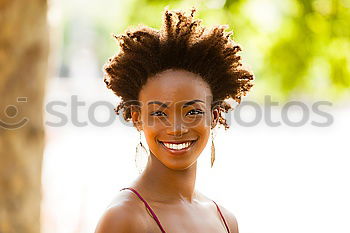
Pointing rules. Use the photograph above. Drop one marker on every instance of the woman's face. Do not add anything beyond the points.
(176, 117)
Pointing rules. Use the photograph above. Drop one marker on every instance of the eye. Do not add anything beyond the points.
(195, 112)
(158, 113)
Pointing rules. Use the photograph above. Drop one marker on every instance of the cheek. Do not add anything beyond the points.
(151, 129)
(202, 128)
(204, 133)
(150, 134)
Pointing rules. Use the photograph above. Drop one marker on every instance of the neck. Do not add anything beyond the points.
(161, 184)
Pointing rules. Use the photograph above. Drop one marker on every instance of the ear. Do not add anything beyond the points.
(214, 117)
(136, 117)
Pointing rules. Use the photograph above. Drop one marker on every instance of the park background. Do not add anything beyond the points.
(274, 179)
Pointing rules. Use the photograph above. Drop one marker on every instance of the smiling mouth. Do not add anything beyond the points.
(178, 146)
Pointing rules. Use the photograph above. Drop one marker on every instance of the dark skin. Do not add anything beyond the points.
(168, 181)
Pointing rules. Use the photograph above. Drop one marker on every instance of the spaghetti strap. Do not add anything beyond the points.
(148, 207)
(222, 216)
(156, 218)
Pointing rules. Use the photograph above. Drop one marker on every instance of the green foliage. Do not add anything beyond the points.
(309, 33)
(294, 47)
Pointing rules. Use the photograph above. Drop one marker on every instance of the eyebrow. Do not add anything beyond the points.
(185, 105)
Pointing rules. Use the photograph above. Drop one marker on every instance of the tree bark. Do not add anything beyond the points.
(23, 70)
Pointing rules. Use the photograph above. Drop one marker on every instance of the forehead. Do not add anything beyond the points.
(175, 86)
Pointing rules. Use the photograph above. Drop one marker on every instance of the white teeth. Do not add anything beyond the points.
(177, 146)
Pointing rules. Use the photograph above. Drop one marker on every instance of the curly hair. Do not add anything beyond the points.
(181, 43)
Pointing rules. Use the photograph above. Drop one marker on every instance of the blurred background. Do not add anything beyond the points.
(282, 167)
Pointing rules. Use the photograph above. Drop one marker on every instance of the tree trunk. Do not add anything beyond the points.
(23, 70)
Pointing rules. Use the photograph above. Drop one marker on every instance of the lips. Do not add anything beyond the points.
(177, 142)
(174, 146)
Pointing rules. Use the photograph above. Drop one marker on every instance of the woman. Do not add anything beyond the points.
(173, 83)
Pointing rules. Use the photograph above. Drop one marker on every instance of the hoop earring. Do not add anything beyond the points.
(141, 156)
(212, 150)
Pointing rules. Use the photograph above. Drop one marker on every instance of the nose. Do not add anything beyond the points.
(177, 129)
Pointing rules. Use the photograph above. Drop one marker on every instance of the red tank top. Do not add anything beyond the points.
(156, 218)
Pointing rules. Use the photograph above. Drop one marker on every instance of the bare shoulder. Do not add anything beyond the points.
(124, 215)
(228, 215)
(230, 219)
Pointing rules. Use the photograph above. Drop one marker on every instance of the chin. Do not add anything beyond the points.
(178, 165)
